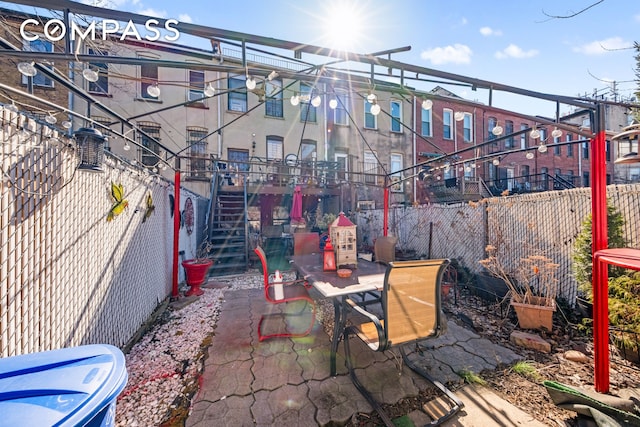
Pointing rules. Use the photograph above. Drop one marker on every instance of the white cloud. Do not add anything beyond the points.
(456, 54)
(513, 51)
(153, 12)
(464, 21)
(184, 17)
(599, 47)
(488, 31)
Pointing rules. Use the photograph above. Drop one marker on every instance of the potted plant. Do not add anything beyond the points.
(532, 285)
(196, 269)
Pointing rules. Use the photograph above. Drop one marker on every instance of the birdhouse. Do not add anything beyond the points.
(343, 237)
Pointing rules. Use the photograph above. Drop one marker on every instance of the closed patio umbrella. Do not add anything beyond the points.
(296, 207)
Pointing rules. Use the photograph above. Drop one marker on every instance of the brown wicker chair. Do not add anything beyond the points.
(296, 290)
(411, 312)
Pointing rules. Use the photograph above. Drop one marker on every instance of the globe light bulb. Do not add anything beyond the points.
(375, 109)
(542, 148)
(66, 124)
(333, 104)
(535, 134)
(557, 133)
(497, 130)
(90, 75)
(316, 101)
(529, 155)
(153, 91)
(126, 147)
(209, 91)
(251, 83)
(371, 98)
(51, 119)
(295, 100)
(496, 162)
(427, 104)
(27, 69)
(458, 116)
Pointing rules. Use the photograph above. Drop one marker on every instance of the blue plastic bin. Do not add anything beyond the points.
(67, 387)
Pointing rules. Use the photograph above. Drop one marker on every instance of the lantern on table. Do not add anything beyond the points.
(343, 236)
(329, 258)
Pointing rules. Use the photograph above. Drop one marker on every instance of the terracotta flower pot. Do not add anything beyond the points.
(196, 273)
(534, 315)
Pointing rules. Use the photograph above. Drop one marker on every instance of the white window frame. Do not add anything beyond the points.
(396, 164)
(27, 46)
(341, 112)
(426, 114)
(370, 165)
(467, 127)
(342, 174)
(395, 118)
(447, 122)
(193, 92)
(367, 113)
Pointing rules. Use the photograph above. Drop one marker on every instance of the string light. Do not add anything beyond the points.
(427, 104)
(209, 91)
(333, 104)
(375, 109)
(153, 90)
(557, 133)
(295, 99)
(535, 134)
(27, 69)
(372, 97)
(90, 75)
(250, 83)
(66, 124)
(316, 101)
(529, 155)
(497, 130)
(51, 119)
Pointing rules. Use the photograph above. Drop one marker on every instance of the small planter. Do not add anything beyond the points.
(196, 273)
(534, 315)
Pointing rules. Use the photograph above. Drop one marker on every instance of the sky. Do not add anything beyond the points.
(535, 45)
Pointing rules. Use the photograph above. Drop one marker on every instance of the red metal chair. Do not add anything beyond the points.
(295, 290)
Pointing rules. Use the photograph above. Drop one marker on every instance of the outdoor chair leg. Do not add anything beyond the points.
(262, 337)
(363, 391)
(454, 403)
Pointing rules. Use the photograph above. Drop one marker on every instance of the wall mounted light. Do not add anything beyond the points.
(90, 144)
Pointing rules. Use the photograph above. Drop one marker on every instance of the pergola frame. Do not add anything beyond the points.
(326, 74)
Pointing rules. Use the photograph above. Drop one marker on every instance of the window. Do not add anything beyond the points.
(237, 96)
(525, 172)
(308, 157)
(370, 121)
(396, 116)
(585, 179)
(557, 149)
(508, 130)
(447, 123)
(467, 127)
(38, 45)
(238, 159)
(307, 111)
(102, 68)
(607, 151)
(370, 167)
(197, 148)
(426, 122)
(543, 134)
(273, 102)
(274, 148)
(585, 150)
(396, 166)
(148, 77)
(544, 178)
(340, 114)
(523, 136)
(196, 86)
(342, 166)
(569, 137)
(105, 132)
(491, 123)
(151, 151)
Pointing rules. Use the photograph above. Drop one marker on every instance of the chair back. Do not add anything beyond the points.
(384, 249)
(412, 300)
(265, 270)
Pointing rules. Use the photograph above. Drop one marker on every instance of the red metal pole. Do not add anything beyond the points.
(599, 241)
(176, 233)
(385, 215)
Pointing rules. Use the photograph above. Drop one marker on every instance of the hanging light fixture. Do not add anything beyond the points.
(90, 144)
(316, 101)
(295, 99)
(427, 104)
(372, 97)
(250, 83)
(333, 104)
(209, 91)
(27, 69)
(90, 75)
(153, 90)
(535, 133)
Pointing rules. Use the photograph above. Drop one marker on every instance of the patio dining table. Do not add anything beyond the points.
(367, 277)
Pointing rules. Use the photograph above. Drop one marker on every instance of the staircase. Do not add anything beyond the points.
(227, 228)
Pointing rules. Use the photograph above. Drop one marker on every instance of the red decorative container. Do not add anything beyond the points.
(196, 271)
